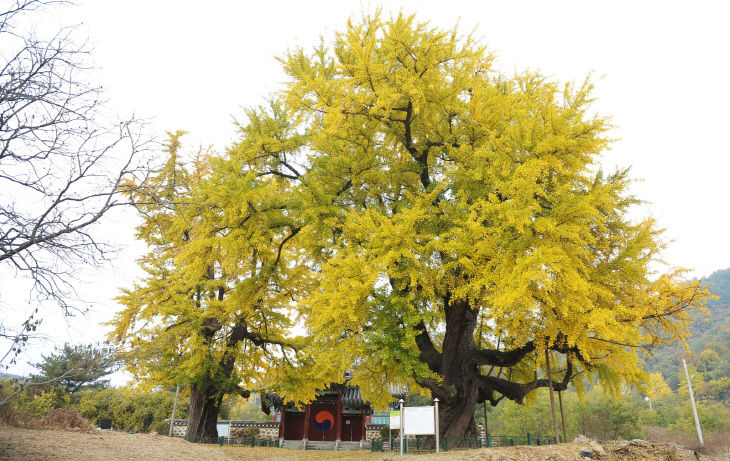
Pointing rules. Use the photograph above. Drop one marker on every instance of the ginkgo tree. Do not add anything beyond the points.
(212, 312)
(461, 225)
(432, 223)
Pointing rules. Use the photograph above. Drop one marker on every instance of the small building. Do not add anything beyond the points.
(337, 419)
(337, 415)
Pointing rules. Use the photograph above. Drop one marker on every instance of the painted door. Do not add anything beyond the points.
(323, 422)
(293, 426)
(351, 428)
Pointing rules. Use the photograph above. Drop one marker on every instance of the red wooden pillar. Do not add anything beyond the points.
(281, 424)
(363, 435)
(306, 422)
(338, 418)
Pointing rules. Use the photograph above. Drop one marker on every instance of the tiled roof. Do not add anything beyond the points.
(243, 423)
(234, 423)
(350, 395)
(270, 399)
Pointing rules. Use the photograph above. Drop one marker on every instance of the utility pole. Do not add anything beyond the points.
(552, 398)
(174, 409)
(694, 408)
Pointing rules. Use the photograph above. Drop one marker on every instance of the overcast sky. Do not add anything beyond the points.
(661, 71)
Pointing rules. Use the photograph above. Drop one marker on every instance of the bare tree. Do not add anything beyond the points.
(63, 163)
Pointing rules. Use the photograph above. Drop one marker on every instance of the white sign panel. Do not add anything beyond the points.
(418, 421)
(394, 420)
(223, 429)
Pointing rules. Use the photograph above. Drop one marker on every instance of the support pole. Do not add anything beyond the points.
(562, 415)
(436, 421)
(307, 409)
(363, 430)
(174, 408)
(282, 422)
(552, 398)
(486, 423)
(694, 408)
(401, 426)
(339, 419)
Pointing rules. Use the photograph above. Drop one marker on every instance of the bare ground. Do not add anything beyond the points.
(41, 445)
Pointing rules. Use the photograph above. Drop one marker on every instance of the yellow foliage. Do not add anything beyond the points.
(656, 387)
(432, 179)
(214, 307)
(399, 188)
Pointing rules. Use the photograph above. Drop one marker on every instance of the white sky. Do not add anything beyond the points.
(663, 76)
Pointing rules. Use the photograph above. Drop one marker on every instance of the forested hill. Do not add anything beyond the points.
(710, 341)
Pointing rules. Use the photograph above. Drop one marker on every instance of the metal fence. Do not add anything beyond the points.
(244, 441)
(421, 444)
(428, 444)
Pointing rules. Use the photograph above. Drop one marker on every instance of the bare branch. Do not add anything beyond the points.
(63, 161)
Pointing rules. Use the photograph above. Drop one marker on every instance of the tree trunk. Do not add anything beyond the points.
(462, 385)
(456, 413)
(204, 409)
(205, 401)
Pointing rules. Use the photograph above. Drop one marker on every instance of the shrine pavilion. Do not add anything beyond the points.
(337, 415)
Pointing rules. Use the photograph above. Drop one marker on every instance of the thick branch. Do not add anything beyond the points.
(502, 358)
(427, 351)
(517, 391)
(433, 386)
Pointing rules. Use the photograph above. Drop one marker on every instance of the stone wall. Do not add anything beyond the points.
(372, 434)
(266, 429)
(269, 433)
(263, 429)
(178, 430)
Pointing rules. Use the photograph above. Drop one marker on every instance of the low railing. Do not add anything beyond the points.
(428, 444)
(417, 445)
(245, 441)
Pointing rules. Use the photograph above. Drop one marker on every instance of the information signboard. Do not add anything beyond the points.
(418, 421)
(394, 419)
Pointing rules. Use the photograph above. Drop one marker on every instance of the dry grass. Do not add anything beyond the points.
(283, 454)
(716, 443)
(41, 445)
(66, 419)
(660, 434)
(46, 445)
